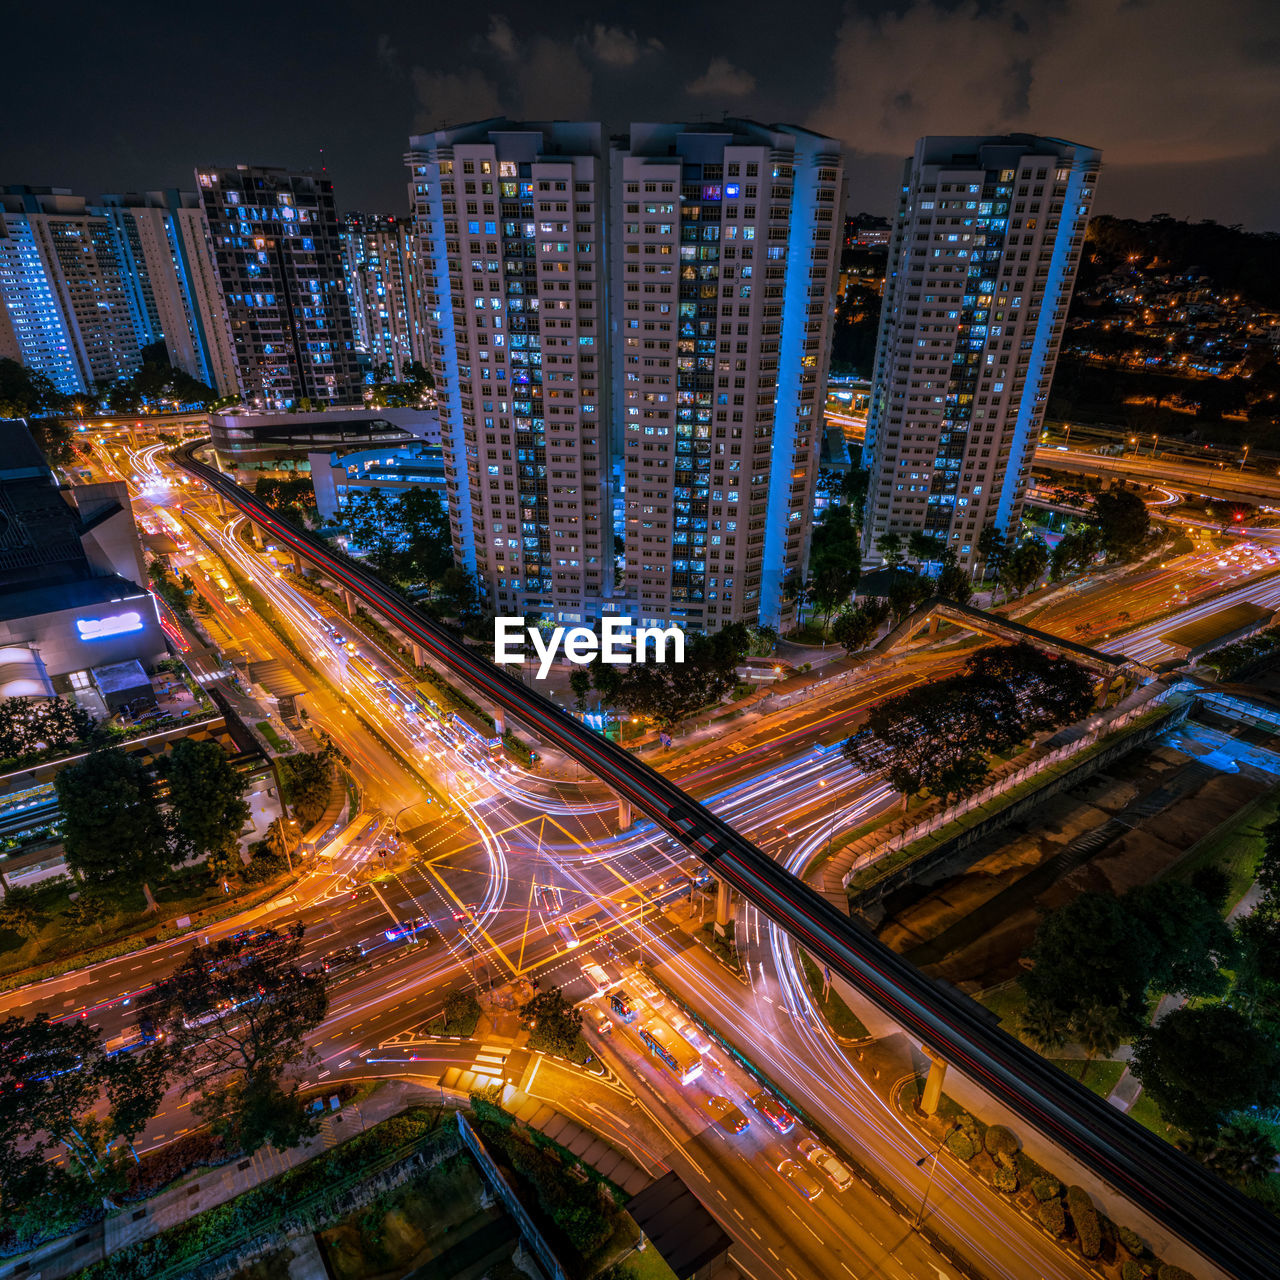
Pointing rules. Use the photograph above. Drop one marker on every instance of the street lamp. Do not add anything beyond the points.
(928, 1186)
(1244, 458)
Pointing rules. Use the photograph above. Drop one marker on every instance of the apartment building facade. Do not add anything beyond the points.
(380, 256)
(985, 249)
(630, 337)
(278, 254)
(63, 289)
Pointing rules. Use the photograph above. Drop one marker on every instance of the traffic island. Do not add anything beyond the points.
(721, 945)
(993, 1154)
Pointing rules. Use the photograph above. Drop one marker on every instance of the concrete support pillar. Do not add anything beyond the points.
(350, 601)
(419, 655)
(298, 567)
(624, 814)
(934, 623)
(1100, 700)
(222, 505)
(723, 896)
(933, 1085)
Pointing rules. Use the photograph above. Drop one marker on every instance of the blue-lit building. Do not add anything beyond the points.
(64, 301)
(337, 476)
(630, 336)
(278, 253)
(985, 248)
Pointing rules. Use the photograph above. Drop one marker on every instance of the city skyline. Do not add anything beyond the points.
(1187, 121)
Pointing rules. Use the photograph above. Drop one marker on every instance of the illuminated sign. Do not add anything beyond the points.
(731, 191)
(117, 625)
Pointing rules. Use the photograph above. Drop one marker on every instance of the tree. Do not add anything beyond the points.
(1200, 1063)
(669, 692)
(889, 545)
(580, 684)
(236, 1018)
(1075, 551)
(308, 783)
(29, 725)
(1042, 1027)
(54, 1079)
(855, 628)
(1237, 1153)
(112, 828)
(1268, 874)
(1088, 952)
(993, 550)
(27, 393)
(206, 796)
(923, 547)
(952, 582)
(422, 523)
(459, 594)
(555, 1023)
(419, 377)
(1099, 1029)
(370, 524)
(87, 910)
(18, 913)
(1123, 521)
(906, 590)
(835, 560)
(1024, 566)
(1192, 942)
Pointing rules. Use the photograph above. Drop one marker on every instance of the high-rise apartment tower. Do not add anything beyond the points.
(982, 262)
(630, 339)
(278, 253)
(380, 253)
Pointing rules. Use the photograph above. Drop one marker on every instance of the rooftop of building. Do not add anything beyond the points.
(35, 601)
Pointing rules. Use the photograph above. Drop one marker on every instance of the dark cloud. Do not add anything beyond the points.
(1183, 96)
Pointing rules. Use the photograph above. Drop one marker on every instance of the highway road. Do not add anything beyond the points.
(507, 835)
(1162, 1182)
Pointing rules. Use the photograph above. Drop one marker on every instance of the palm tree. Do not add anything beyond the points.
(1235, 1153)
(1041, 1026)
(1099, 1028)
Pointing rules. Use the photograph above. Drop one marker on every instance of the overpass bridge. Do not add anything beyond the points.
(1213, 1218)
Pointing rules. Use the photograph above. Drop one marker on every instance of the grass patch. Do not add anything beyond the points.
(1234, 847)
(1101, 1075)
(1147, 1114)
(277, 743)
(720, 945)
(842, 1020)
(1007, 1002)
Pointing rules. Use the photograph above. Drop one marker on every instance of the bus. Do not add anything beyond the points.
(671, 1049)
(365, 668)
(228, 592)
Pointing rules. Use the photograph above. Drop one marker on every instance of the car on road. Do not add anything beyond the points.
(550, 900)
(409, 930)
(599, 1020)
(773, 1111)
(599, 979)
(730, 1118)
(568, 934)
(826, 1164)
(800, 1180)
(341, 959)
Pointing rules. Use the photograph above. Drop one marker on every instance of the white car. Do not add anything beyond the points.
(568, 934)
(826, 1164)
(598, 978)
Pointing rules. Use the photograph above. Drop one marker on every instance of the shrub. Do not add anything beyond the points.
(1085, 1219)
(960, 1145)
(1131, 1241)
(1001, 1140)
(1133, 1271)
(1170, 1272)
(969, 1123)
(1053, 1218)
(1045, 1188)
(1006, 1180)
(1007, 1160)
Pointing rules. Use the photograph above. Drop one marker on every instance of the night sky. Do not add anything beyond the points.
(1183, 96)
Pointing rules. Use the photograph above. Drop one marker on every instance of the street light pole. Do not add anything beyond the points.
(928, 1186)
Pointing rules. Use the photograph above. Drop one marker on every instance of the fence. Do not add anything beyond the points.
(528, 1228)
